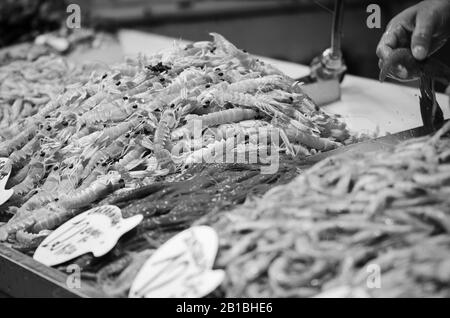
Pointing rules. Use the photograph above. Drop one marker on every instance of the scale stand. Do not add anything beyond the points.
(328, 69)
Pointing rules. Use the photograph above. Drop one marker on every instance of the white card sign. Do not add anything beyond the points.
(5, 172)
(97, 230)
(181, 268)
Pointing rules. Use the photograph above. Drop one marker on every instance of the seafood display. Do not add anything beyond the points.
(181, 137)
(28, 86)
(75, 134)
(171, 207)
(360, 225)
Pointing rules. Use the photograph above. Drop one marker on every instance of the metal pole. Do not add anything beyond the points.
(338, 19)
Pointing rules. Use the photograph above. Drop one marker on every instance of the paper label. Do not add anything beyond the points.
(5, 172)
(182, 267)
(97, 230)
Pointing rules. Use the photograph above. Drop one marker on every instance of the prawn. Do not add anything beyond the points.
(187, 79)
(162, 136)
(96, 190)
(107, 112)
(298, 136)
(210, 153)
(134, 154)
(35, 174)
(52, 215)
(92, 101)
(19, 157)
(120, 129)
(47, 193)
(223, 117)
(114, 150)
(70, 175)
(31, 240)
(257, 84)
(8, 146)
(263, 104)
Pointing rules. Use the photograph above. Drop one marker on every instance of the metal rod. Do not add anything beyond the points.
(338, 19)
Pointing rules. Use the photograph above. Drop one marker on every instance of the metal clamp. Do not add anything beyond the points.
(331, 65)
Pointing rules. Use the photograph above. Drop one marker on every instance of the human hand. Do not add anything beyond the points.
(424, 28)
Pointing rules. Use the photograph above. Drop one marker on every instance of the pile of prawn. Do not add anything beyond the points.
(368, 225)
(27, 86)
(135, 122)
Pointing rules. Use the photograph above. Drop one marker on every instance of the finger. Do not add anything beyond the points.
(386, 44)
(395, 36)
(423, 33)
(383, 52)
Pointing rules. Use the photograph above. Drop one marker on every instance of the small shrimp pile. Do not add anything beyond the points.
(63, 41)
(136, 122)
(371, 225)
(27, 86)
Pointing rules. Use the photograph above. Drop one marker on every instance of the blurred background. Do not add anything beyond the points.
(291, 30)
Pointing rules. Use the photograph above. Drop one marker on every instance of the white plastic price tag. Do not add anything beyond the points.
(97, 230)
(5, 172)
(182, 267)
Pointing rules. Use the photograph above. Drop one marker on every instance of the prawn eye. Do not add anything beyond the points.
(42, 154)
(172, 105)
(55, 168)
(47, 117)
(217, 69)
(162, 79)
(104, 164)
(208, 86)
(71, 166)
(127, 136)
(134, 106)
(65, 123)
(220, 74)
(49, 128)
(56, 199)
(125, 98)
(118, 83)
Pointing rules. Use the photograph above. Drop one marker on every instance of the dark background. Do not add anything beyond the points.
(292, 30)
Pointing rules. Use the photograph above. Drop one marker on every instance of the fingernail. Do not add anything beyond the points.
(419, 52)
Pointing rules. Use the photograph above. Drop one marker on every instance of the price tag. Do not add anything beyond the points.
(182, 267)
(96, 231)
(5, 172)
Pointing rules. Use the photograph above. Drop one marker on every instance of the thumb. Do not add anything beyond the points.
(422, 35)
